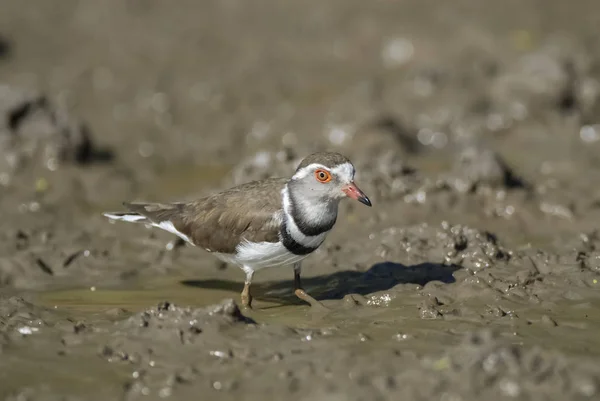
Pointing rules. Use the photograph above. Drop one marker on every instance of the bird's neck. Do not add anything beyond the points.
(312, 216)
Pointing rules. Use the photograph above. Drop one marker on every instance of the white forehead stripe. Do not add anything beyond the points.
(345, 171)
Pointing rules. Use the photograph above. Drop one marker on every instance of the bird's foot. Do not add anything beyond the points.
(300, 293)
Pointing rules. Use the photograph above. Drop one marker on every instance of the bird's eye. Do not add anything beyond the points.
(322, 176)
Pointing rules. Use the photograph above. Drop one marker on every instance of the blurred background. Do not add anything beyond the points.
(167, 100)
(474, 127)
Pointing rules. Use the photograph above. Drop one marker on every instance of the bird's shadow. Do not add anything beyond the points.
(380, 277)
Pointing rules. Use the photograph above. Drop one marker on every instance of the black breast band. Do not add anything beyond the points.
(291, 244)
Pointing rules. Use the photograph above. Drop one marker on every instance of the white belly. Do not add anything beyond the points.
(258, 255)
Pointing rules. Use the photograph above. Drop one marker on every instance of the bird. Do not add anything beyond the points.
(261, 224)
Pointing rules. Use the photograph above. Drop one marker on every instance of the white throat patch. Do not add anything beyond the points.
(294, 231)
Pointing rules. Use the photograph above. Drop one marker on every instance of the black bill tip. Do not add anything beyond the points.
(365, 200)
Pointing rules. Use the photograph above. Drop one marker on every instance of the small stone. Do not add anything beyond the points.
(27, 330)
(222, 354)
(430, 313)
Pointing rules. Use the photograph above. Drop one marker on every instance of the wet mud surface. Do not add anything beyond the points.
(475, 131)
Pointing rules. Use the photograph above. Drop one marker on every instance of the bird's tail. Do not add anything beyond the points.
(163, 216)
(131, 217)
(147, 213)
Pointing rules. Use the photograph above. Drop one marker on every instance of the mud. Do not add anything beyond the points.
(474, 129)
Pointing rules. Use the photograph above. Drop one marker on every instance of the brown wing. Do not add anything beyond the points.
(219, 222)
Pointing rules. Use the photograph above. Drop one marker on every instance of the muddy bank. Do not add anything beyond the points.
(170, 351)
(474, 130)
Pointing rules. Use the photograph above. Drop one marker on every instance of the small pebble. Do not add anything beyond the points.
(26, 330)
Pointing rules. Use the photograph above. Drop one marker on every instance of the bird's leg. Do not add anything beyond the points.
(299, 291)
(246, 296)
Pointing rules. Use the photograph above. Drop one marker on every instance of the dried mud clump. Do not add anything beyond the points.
(448, 244)
(34, 257)
(170, 347)
(557, 76)
(19, 319)
(476, 167)
(169, 325)
(15, 311)
(35, 132)
(484, 365)
(388, 176)
(448, 264)
(166, 316)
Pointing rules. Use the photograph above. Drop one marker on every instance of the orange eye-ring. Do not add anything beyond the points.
(322, 176)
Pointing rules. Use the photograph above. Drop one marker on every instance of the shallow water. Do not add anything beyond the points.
(570, 329)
